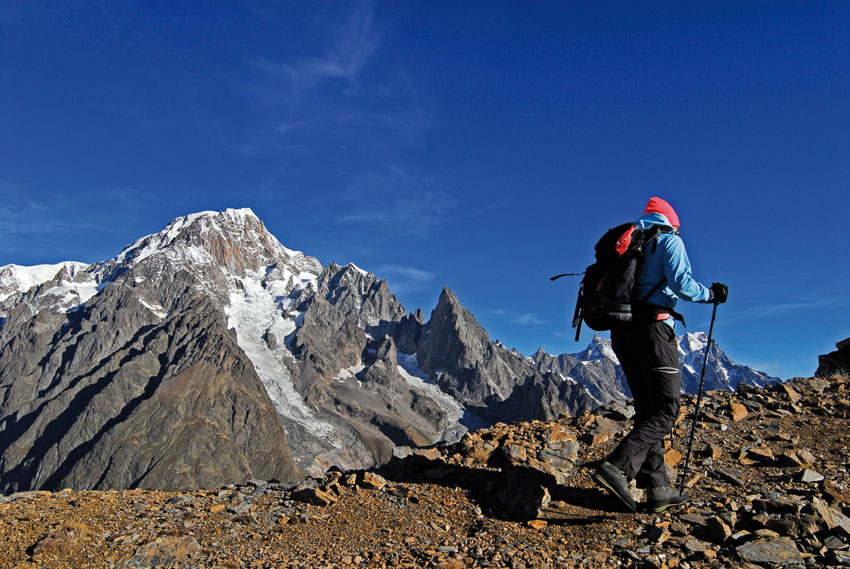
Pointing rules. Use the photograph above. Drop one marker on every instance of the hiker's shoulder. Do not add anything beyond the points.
(670, 242)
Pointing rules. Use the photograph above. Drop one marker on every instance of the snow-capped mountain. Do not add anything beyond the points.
(721, 372)
(208, 353)
(16, 280)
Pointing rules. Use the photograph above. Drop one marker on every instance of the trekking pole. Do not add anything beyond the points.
(699, 399)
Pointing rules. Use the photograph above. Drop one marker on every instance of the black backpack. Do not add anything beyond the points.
(606, 294)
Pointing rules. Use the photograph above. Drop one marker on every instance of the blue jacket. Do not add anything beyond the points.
(668, 260)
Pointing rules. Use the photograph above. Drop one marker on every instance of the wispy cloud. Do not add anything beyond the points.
(405, 279)
(483, 210)
(410, 273)
(779, 309)
(24, 216)
(40, 229)
(343, 92)
(391, 195)
(522, 319)
(137, 199)
(352, 48)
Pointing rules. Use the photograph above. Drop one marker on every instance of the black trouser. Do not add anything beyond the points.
(649, 356)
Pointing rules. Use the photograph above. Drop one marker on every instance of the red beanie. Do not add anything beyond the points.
(657, 205)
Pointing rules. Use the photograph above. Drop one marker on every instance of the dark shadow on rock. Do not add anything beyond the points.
(516, 493)
(22, 476)
(589, 498)
(583, 521)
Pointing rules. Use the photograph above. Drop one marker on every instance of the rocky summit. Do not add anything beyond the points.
(208, 352)
(769, 479)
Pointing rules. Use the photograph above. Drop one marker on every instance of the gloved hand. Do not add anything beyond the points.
(719, 293)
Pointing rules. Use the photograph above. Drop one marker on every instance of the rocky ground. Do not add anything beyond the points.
(769, 478)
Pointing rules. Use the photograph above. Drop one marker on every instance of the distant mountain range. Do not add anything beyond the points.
(210, 353)
(605, 380)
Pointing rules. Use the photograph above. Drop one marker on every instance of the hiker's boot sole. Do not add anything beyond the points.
(599, 479)
(662, 507)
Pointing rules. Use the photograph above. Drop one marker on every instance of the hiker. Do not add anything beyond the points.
(649, 355)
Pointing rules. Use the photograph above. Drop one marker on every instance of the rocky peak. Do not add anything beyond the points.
(693, 342)
(539, 355)
(234, 239)
(452, 336)
(359, 296)
(457, 351)
(598, 349)
(452, 317)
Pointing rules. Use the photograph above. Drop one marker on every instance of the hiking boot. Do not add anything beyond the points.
(662, 497)
(612, 479)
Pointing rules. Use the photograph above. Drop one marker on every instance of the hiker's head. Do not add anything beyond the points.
(657, 205)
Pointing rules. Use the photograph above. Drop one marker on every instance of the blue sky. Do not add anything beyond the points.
(483, 146)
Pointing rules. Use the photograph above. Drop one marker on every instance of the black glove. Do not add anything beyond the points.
(719, 293)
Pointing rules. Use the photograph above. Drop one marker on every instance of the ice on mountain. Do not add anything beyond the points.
(693, 342)
(252, 312)
(19, 278)
(71, 295)
(350, 373)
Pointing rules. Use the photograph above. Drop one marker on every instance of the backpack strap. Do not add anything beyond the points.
(654, 289)
(654, 234)
(676, 316)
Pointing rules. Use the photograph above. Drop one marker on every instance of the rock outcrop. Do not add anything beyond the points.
(837, 362)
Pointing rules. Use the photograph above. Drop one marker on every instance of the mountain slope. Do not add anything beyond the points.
(125, 374)
(174, 404)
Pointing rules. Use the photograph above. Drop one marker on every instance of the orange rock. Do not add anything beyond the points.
(373, 481)
(595, 439)
(537, 524)
(760, 454)
(835, 492)
(672, 457)
(163, 551)
(739, 412)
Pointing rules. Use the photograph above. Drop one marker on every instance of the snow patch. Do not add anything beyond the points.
(70, 295)
(567, 378)
(159, 311)
(414, 376)
(350, 373)
(358, 269)
(693, 342)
